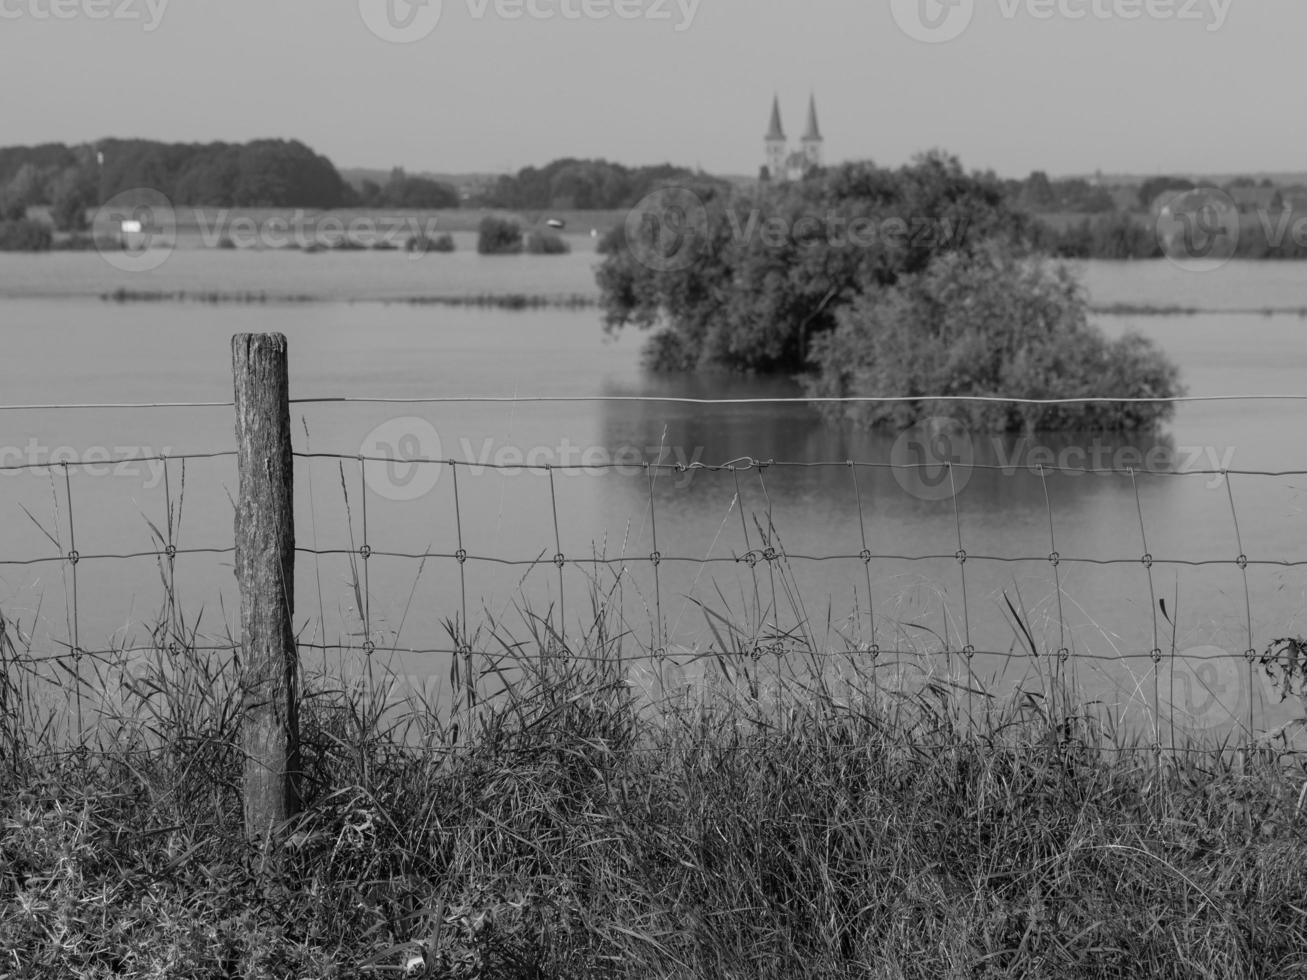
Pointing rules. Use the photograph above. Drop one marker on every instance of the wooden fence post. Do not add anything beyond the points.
(265, 572)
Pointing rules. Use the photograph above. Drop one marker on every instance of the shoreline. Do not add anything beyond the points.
(525, 301)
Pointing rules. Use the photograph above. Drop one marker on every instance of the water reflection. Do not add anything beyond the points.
(992, 542)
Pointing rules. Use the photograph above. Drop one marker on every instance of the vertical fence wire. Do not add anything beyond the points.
(659, 640)
(866, 564)
(1250, 655)
(462, 641)
(1055, 560)
(1156, 653)
(769, 555)
(751, 559)
(170, 553)
(365, 600)
(560, 561)
(74, 558)
(968, 649)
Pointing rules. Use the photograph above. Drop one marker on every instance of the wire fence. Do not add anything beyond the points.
(759, 558)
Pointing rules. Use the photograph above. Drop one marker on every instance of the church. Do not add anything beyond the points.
(781, 162)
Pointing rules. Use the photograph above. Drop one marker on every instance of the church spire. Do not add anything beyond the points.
(813, 133)
(775, 132)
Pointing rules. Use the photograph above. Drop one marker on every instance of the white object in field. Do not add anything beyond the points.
(594, 232)
(132, 227)
(415, 966)
(556, 223)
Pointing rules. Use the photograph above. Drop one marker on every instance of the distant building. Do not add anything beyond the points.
(784, 163)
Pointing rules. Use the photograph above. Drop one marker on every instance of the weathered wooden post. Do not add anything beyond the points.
(265, 572)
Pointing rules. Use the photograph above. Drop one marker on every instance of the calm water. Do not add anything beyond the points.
(63, 345)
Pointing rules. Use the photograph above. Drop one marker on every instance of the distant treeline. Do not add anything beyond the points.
(263, 173)
(260, 174)
(1119, 235)
(71, 180)
(571, 184)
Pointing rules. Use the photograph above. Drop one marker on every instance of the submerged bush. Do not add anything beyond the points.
(498, 236)
(546, 243)
(993, 324)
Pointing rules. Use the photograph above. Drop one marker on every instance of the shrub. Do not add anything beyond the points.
(498, 236)
(25, 236)
(546, 243)
(991, 324)
(422, 244)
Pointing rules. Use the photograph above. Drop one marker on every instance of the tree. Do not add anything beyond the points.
(994, 323)
(1037, 194)
(1156, 186)
(74, 194)
(403, 191)
(758, 275)
(25, 189)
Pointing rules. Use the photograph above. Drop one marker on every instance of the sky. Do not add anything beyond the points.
(1065, 86)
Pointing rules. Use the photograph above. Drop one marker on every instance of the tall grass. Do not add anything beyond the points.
(767, 824)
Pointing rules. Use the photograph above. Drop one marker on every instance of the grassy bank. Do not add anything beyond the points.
(567, 830)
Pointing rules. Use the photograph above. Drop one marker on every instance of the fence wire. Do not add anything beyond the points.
(764, 563)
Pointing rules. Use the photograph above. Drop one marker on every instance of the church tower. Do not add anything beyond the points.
(812, 141)
(775, 144)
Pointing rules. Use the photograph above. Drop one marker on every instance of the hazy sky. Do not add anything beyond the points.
(1068, 86)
